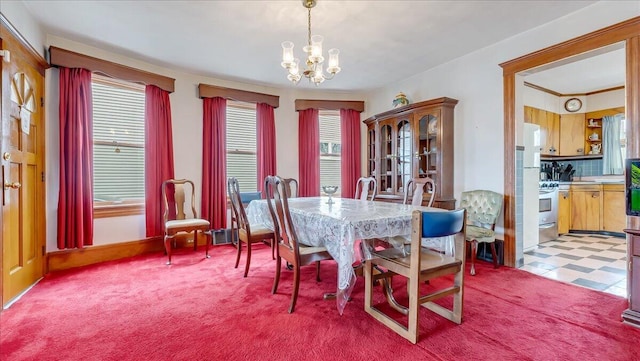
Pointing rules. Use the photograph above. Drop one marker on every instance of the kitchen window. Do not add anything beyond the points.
(242, 157)
(118, 147)
(330, 148)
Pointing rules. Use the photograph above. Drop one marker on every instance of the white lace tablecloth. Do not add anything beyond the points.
(338, 226)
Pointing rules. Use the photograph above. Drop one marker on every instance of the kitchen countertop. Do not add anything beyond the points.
(594, 181)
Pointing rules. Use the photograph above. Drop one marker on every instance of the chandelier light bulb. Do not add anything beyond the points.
(287, 54)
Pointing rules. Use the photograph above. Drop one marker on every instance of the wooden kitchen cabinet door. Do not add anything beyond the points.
(572, 134)
(614, 218)
(585, 208)
(549, 123)
(564, 211)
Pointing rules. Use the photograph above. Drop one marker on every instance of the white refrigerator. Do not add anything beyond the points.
(530, 189)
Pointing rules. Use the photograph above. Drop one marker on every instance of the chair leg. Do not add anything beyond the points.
(276, 280)
(208, 239)
(493, 255)
(167, 247)
(296, 285)
(273, 248)
(239, 248)
(474, 250)
(246, 267)
(318, 271)
(195, 240)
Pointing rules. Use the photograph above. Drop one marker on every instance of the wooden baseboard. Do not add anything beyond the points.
(71, 258)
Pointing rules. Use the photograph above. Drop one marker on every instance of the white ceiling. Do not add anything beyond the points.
(380, 42)
(598, 70)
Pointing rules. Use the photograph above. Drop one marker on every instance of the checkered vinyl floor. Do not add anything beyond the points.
(589, 260)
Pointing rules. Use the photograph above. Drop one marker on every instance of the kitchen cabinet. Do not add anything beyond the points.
(614, 218)
(564, 209)
(585, 206)
(411, 141)
(572, 134)
(549, 123)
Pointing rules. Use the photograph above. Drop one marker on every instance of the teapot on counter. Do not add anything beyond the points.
(596, 148)
(593, 136)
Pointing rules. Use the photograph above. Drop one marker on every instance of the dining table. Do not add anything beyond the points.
(337, 225)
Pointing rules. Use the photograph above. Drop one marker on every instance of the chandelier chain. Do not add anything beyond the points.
(309, 26)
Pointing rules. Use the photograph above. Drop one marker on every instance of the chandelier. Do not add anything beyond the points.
(314, 61)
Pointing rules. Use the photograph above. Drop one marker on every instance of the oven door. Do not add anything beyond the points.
(548, 216)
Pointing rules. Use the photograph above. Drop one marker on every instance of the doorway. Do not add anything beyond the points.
(22, 165)
(627, 32)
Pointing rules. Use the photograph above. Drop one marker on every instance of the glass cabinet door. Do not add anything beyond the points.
(428, 146)
(371, 152)
(386, 159)
(404, 155)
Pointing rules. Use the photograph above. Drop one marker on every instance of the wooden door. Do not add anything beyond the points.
(585, 210)
(614, 218)
(22, 159)
(572, 134)
(564, 211)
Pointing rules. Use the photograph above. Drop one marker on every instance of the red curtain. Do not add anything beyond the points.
(214, 162)
(266, 134)
(350, 167)
(309, 152)
(158, 155)
(75, 199)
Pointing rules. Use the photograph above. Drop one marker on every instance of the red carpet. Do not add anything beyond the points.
(203, 309)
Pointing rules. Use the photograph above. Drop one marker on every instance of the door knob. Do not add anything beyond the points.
(14, 185)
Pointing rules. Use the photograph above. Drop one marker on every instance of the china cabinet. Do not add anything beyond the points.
(414, 140)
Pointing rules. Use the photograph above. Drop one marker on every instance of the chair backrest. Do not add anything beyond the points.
(292, 184)
(417, 187)
(363, 186)
(276, 190)
(442, 223)
(179, 199)
(483, 207)
(233, 190)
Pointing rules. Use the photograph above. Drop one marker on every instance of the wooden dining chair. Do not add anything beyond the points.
(288, 245)
(363, 186)
(483, 208)
(180, 216)
(417, 187)
(419, 265)
(248, 234)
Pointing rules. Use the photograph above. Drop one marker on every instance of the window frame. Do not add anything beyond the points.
(245, 106)
(330, 154)
(127, 207)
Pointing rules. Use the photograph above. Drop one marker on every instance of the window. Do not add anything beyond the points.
(330, 147)
(242, 160)
(118, 146)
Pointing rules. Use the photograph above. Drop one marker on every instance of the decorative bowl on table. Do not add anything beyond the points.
(329, 190)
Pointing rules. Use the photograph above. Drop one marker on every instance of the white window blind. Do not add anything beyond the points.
(329, 122)
(241, 145)
(118, 140)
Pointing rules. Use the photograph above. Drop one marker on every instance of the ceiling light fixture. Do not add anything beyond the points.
(314, 60)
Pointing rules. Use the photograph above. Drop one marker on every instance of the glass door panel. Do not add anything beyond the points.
(386, 159)
(371, 152)
(404, 155)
